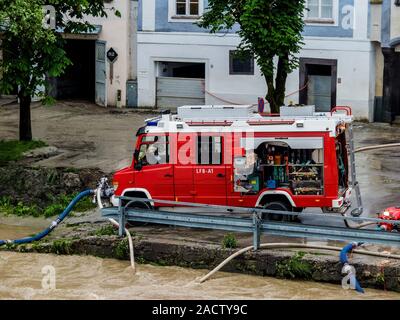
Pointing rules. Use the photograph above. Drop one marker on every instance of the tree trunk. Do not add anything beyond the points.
(271, 94)
(25, 129)
(280, 82)
(277, 88)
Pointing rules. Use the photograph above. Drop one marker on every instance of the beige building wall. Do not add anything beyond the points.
(379, 63)
(117, 32)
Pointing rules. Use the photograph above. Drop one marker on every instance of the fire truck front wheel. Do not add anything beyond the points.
(138, 205)
(278, 206)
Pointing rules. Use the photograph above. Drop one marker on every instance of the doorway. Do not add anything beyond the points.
(318, 83)
(78, 80)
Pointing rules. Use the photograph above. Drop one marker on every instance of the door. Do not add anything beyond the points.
(210, 176)
(185, 163)
(101, 74)
(156, 173)
(318, 83)
(176, 92)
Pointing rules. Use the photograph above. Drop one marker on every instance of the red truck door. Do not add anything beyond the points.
(184, 160)
(156, 172)
(210, 173)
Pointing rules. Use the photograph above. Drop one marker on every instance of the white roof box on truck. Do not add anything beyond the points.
(220, 112)
(293, 111)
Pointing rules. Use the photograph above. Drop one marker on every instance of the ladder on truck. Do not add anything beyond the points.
(354, 183)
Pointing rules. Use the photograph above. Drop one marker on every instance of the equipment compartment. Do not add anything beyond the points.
(276, 165)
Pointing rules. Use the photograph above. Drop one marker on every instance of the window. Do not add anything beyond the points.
(320, 10)
(240, 64)
(209, 150)
(154, 150)
(187, 8)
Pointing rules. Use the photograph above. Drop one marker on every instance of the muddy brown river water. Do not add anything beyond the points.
(87, 277)
(84, 277)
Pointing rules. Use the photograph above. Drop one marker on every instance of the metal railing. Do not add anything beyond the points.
(252, 223)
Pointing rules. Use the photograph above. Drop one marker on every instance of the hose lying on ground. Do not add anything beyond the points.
(292, 245)
(115, 223)
(357, 226)
(53, 225)
(379, 146)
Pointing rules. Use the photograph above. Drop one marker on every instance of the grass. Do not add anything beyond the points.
(62, 201)
(294, 268)
(122, 249)
(61, 246)
(229, 241)
(57, 206)
(108, 230)
(12, 150)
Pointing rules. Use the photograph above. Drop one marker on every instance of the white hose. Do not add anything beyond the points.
(292, 245)
(115, 223)
(379, 146)
(131, 253)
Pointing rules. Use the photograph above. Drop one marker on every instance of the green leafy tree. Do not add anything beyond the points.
(269, 29)
(32, 52)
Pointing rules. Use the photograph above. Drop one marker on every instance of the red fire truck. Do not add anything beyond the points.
(234, 156)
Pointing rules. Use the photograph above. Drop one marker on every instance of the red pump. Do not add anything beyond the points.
(392, 213)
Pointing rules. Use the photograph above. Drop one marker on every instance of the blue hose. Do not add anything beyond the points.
(54, 224)
(343, 259)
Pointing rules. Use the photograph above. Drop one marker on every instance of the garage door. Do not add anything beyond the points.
(176, 92)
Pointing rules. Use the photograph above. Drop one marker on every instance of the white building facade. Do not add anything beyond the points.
(180, 63)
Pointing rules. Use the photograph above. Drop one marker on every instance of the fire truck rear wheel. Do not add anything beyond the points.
(279, 206)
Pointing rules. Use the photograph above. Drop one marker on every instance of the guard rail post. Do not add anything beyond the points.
(256, 230)
(122, 219)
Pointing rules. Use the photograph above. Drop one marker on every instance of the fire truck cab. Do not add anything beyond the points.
(234, 156)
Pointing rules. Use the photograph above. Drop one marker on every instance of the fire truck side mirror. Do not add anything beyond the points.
(138, 166)
(137, 163)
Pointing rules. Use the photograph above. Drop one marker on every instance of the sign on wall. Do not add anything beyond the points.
(112, 55)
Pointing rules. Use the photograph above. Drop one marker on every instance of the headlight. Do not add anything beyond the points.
(115, 185)
(386, 213)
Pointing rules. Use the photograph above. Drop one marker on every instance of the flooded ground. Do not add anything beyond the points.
(13, 227)
(22, 275)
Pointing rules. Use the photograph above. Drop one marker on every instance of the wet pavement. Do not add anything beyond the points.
(86, 135)
(378, 171)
